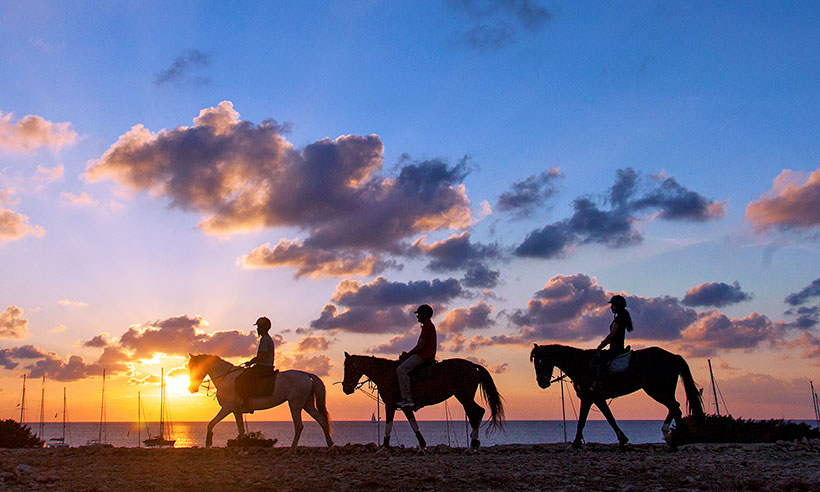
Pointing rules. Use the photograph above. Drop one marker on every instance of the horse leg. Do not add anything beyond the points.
(240, 423)
(474, 413)
(415, 426)
(582, 421)
(311, 410)
(668, 400)
(389, 414)
(622, 439)
(296, 415)
(209, 437)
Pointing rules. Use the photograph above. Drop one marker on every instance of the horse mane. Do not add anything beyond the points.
(539, 349)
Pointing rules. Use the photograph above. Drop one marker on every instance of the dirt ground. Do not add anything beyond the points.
(780, 467)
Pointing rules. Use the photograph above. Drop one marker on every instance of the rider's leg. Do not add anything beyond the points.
(403, 373)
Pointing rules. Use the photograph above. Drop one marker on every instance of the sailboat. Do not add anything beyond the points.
(59, 442)
(100, 441)
(160, 439)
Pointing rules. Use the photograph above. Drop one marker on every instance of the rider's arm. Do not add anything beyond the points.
(606, 341)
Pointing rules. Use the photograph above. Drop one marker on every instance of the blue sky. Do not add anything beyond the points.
(720, 99)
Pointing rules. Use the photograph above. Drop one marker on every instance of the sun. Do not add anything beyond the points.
(176, 386)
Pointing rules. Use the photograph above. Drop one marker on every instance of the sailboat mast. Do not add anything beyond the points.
(42, 407)
(816, 403)
(139, 431)
(161, 401)
(102, 409)
(63, 413)
(714, 388)
(23, 401)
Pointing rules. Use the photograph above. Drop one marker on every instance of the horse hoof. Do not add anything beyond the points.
(576, 445)
(422, 451)
(382, 449)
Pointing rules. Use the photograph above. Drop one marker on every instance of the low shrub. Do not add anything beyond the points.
(725, 428)
(16, 435)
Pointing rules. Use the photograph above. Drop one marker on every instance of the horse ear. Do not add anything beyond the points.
(189, 355)
(347, 356)
(534, 345)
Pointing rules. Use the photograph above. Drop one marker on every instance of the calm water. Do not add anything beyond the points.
(124, 434)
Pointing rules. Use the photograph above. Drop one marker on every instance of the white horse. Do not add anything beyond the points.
(302, 391)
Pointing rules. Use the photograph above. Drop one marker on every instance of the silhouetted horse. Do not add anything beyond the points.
(302, 390)
(450, 377)
(652, 369)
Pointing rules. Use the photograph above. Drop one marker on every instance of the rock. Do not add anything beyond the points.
(23, 468)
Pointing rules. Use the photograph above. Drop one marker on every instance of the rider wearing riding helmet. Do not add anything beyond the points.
(615, 339)
(424, 350)
(258, 367)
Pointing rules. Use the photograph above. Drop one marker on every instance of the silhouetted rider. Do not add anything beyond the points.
(424, 350)
(258, 367)
(615, 339)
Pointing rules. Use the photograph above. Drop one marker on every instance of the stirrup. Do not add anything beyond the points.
(406, 404)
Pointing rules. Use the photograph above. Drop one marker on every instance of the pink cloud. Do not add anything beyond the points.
(32, 132)
(793, 203)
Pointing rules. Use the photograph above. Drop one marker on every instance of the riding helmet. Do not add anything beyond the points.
(618, 301)
(263, 323)
(425, 310)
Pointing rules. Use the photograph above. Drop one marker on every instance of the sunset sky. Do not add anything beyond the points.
(169, 172)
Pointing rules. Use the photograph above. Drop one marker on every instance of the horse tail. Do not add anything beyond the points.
(320, 398)
(694, 396)
(492, 397)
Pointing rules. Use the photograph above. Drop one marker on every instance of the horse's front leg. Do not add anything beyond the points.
(622, 439)
(209, 437)
(415, 426)
(389, 414)
(240, 423)
(582, 421)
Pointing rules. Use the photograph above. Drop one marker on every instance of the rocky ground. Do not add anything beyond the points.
(781, 467)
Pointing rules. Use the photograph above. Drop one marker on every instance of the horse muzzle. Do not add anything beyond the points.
(193, 388)
(348, 389)
(544, 383)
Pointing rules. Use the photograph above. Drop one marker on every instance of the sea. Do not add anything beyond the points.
(451, 433)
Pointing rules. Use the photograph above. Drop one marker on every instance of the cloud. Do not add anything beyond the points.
(382, 292)
(499, 368)
(715, 294)
(241, 177)
(12, 324)
(811, 347)
(396, 344)
(39, 363)
(714, 330)
(182, 66)
(480, 276)
(32, 132)
(319, 365)
(364, 319)
(15, 226)
(479, 341)
(69, 303)
(58, 329)
(494, 23)
(182, 334)
(83, 199)
(811, 290)
(792, 204)
(455, 253)
(24, 352)
(524, 197)
(616, 227)
(474, 317)
(315, 262)
(575, 307)
(99, 341)
(312, 344)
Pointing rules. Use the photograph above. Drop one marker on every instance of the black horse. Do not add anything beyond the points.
(652, 369)
(451, 377)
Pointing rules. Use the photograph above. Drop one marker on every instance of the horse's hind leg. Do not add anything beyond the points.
(474, 413)
(622, 439)
(311, 410)
(240, 423)
(668, 400)
(415, 426)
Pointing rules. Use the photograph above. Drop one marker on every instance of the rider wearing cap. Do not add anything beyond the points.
(258, 367)
(424, 350)
(615, 339)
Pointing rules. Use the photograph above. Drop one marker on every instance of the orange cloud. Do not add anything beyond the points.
(12, 324)
(791, 204)
(14, 226)
(32, 132)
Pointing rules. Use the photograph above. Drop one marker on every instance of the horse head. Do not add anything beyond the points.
(197, 370)
(353, 372)
(543, 365)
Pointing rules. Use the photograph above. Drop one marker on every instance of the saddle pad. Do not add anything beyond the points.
(620, 363)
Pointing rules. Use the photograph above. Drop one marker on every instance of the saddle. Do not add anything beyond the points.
(620, 363)
(253, 385)
(423, 371)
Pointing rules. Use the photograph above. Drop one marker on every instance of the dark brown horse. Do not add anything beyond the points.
(450, 377)
(652, 369)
